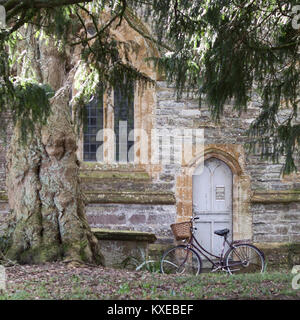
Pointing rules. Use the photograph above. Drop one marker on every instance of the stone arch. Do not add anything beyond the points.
(230, 155)
(219, 152)
(226, 157)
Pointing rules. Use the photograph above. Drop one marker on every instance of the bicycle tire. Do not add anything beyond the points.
(244, 258)
(147, 266)
(181, 260)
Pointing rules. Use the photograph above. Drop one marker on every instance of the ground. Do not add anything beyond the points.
(57, 281)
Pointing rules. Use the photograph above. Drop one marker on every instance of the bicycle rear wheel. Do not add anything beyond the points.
(181, 260)
(244, 258)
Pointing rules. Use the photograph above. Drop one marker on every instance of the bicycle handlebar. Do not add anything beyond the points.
(193, 219)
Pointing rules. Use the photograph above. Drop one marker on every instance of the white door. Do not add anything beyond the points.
(212, 203)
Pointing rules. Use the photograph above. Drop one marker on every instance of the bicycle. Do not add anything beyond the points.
(241, 257)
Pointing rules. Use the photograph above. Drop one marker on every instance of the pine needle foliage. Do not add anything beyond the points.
(231, 51)
(220, 50)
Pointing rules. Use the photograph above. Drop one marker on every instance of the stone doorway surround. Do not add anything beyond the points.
(234, 156)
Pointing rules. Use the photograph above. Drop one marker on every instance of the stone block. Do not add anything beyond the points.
(124, 249)
(291, 216)
(108, 219)
(282, 230)
(123, 254)
(262, 237)
(137, 218)
(295, 227)
(190, 113)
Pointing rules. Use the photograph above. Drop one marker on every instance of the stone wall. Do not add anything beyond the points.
(231, 131)
(140, 198)
(135, 198)
(281, 255)
(262, 182)
(125, 197)
(276, 222)
(147, 197)
(139, 217)
(130, 248)
(132, 202)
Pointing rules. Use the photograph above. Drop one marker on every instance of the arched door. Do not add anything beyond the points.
(212, 203)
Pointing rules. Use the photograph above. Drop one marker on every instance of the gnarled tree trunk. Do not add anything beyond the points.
(47, 220)
(44, 194)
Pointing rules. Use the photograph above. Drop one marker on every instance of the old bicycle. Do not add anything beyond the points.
(241, 257)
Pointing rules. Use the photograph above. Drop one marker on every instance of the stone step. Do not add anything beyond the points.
(124, 235)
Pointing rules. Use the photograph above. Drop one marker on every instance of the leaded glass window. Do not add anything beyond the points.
(123, 119)
(93, 123)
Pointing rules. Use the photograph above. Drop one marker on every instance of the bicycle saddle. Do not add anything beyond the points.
(222, 232)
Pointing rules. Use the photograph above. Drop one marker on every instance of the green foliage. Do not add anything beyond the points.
(31, 105)
(25, 99)
(220, 50)
(233, 51)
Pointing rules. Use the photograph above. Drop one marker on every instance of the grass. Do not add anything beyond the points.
(55, 281)
(247, 286)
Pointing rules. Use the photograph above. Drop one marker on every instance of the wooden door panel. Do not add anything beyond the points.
(212, 203)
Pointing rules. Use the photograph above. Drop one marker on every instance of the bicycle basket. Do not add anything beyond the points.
(181, 230)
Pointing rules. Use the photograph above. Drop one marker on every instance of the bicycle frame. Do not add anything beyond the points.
(201, 250)
(224, 262)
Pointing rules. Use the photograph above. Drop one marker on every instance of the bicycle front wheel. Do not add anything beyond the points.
(181, 260)
(244, 258)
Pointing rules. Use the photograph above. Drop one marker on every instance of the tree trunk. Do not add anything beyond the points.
(47, 220)
(48, 214)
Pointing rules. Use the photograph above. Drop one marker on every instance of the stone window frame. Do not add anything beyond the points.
(144, 105)
(107, 123)
(144, 97)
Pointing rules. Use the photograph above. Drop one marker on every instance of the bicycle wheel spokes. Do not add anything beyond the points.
(181, 260)
(244, 258)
